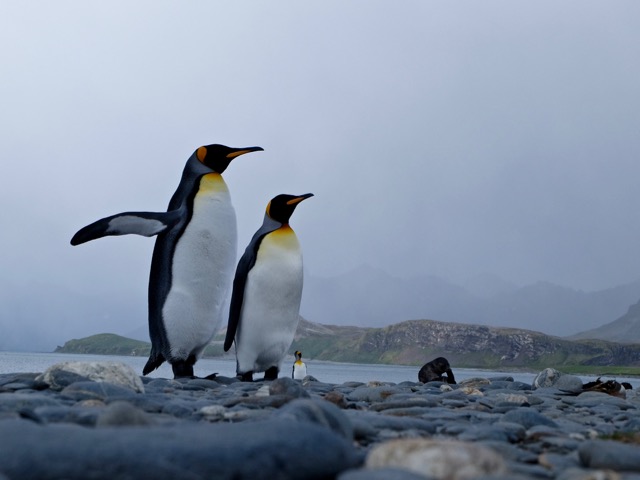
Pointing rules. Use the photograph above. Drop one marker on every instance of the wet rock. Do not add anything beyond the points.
(382, 474)
(256, 450)
(115, 373)
(288, 387)
(603, 454)
(94, 390)
(337, 398)
(319, 412)
(122, 413)
(437, 458)
(528, 418)
(372, 394)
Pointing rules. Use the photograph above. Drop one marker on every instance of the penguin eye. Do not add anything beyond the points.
(201, 153)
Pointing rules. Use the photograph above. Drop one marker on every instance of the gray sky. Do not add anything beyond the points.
(439, 138)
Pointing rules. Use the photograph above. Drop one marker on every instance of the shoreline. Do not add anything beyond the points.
(310, 428)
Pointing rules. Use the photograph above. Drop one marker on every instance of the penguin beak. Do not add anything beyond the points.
(242, 151)
(295, 201)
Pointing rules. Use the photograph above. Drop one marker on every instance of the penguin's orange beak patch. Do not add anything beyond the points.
(238, 153)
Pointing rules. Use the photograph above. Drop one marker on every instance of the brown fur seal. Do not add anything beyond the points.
(432, 371)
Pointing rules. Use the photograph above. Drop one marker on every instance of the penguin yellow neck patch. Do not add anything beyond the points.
(213, 182)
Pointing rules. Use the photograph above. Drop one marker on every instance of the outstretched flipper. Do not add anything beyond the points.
(146, 224)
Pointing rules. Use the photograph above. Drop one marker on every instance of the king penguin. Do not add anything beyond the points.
(193, 258)
(267, 289)
(299, 370)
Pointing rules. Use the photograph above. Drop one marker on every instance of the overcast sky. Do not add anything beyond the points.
(439, 138)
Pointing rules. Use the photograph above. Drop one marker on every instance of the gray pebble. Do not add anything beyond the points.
(528, 418)
(256, 450)
(610, 455)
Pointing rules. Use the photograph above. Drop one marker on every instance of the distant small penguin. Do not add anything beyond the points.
(432, 371)
(299, 370)
(193, 258)
(267, 289)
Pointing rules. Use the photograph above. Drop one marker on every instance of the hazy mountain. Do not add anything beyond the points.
(371, 297)
(41, 316)
(625, 329)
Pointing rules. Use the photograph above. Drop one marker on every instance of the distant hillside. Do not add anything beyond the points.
(625, 329)
(106, 344)
(111, 344)
(417, 341)
(414, 343)
(371, 297)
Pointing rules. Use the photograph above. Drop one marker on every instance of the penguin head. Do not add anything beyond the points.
(218, 157)
(298, 354)
(282, 206)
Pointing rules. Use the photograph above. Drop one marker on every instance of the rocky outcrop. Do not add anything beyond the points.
(479, 346)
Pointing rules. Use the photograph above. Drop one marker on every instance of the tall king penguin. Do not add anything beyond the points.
(193, 258)
(267, 290)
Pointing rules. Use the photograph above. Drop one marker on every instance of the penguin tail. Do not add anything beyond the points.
(154, 362)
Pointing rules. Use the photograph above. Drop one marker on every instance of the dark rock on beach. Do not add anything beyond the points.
(100, 420)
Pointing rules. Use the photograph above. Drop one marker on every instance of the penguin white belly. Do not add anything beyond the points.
(271, 305)
(299, 370)
(202, 270)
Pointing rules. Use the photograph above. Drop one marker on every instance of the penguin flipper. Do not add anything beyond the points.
(146, 224)
(245, 265)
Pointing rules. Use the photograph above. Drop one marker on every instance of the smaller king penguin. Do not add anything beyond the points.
(299, 368)
(267, 289)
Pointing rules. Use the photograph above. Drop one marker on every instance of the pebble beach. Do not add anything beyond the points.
(98, 420)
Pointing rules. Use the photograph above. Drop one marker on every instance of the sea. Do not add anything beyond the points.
(328, 372)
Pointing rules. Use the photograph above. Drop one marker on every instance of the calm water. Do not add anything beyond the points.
(11, 362)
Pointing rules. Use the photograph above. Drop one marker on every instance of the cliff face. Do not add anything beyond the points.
(416, 341)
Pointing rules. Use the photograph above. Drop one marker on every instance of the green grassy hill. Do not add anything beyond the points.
(416, 342)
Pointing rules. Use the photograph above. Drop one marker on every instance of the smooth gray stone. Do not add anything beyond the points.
(25, 401)
(594, 399)
(510, 452)
(149, 402)
(59, 379)
(610, 455)
(372, 394)
(86, 390)
(222, 380)
(65, 414)
(288, 387)
(9, 382)
(528, 471)
(507, 385)
(200, 384)
(382, 474)
(273, 401)
(569, 383)
(476, 433)
(252, 451)
(179, 408)
(389, 422)
(122, 413)
(319, 412)
(528, 418)
(407, 411)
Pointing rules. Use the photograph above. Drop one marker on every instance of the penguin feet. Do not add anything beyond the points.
(271, 373)
(182, 368)
(245, 377)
